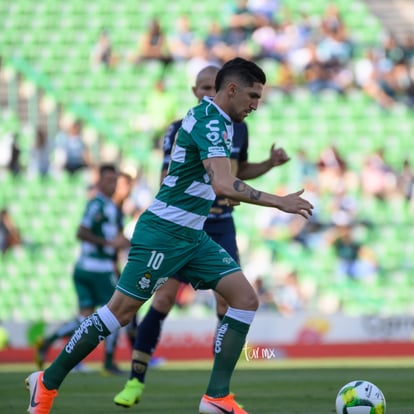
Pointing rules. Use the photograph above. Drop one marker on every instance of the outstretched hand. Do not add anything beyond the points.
(293, 203)
(278, 156)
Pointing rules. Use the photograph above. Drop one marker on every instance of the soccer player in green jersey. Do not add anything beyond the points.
(168, 239)
(95, 272)
(219, 226)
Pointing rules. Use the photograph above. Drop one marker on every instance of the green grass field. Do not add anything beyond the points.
(266, 387)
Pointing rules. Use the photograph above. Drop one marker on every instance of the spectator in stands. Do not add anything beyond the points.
(343, 207)
(102, 53)
(335, 47)
(201, 57)
(14, 164)
(397, 79)
(217, 48)
(331, 169)
(265, 295)
(152, 45)
(392, 51)
(309, 233)
(182, 39)
(408, 47)
(9, 233)
(241, 22)
(332, 21)
(400, 85)
(266, 11)
(321, 75)
(289, 294)
(73, 152)
(369, 75)
(405, 181)
(266, 39)
(285, 79)
(305, 169)
(39, 162)
(355, 260)
(377, 178)
(277, 228)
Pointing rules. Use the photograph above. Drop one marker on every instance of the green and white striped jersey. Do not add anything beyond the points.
(104, 219)
(186, 194)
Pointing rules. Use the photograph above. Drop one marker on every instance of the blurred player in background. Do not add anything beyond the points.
(169, 239)
(219, 226)
(96, 272)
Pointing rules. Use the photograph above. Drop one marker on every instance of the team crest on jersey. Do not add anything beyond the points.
(224, 135)
(145, 281)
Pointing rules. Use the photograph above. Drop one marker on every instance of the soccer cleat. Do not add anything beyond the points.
(224, 405)
(41, 399)
(131, 394)
(40, 353)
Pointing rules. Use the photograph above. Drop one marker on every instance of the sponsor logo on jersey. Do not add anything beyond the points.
(216, 152)
(213, 135)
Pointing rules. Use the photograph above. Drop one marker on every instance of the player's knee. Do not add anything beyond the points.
(252, 302)
(248, 302)
(123, 308)
(163, 301)
(126, 317)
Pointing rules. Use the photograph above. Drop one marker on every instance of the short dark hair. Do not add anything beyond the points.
(245, 70)
(107, 168)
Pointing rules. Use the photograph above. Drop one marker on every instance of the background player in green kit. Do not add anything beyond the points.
(169, 239)
(219, 226)
(95, 276)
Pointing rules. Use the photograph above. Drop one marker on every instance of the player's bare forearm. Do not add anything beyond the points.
(243, 188)
(85, 234)
(227, 186)
(291, 203)
(248, 170)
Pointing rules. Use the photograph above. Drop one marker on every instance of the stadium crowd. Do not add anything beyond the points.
(315, 52)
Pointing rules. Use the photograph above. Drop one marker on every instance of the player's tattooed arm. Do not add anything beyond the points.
(242, 187)
(209, 171)
(228, 186)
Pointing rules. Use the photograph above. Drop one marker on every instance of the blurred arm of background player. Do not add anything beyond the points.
(248, 170)
(118, 242)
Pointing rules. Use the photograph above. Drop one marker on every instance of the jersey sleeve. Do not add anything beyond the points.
(91, 214)
(212, 138)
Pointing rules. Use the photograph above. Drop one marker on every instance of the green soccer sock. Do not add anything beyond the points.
(230, 338)
(84, 340)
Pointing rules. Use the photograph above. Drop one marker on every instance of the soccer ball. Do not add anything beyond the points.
(360, 397)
